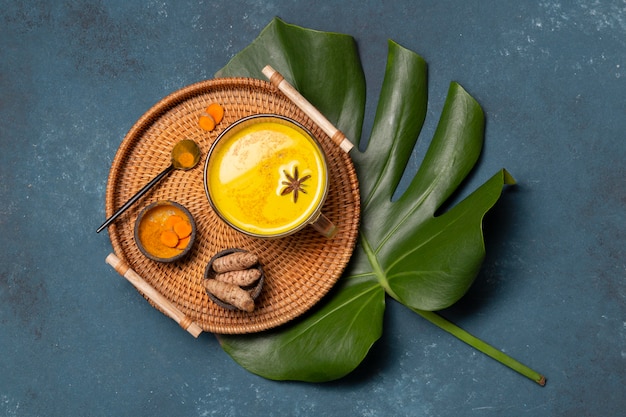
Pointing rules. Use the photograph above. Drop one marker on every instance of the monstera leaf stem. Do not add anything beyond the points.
(450, 327)
(481, 346)
(376, 267)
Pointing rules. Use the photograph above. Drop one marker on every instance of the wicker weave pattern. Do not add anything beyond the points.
(300, 269)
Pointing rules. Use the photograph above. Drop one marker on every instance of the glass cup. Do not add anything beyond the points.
(266, 176)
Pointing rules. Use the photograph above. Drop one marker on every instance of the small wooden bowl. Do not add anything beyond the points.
(255, 289)
(147, 239)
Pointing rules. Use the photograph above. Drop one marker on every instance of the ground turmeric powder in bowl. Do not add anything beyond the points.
(165, 231)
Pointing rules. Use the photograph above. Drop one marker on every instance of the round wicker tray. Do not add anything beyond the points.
(300, 269)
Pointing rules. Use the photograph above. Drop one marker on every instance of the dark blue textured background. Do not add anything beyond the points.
(77, 339)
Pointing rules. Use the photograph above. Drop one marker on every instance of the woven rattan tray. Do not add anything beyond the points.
(300, 269)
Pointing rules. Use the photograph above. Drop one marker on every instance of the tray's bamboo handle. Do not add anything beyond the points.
(283, 85)
(149, 291)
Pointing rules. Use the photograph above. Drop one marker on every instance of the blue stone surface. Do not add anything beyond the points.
(78, 340)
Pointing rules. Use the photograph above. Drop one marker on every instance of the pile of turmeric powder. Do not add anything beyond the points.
(233, 276)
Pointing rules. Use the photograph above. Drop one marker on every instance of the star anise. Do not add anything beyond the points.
(294, 184)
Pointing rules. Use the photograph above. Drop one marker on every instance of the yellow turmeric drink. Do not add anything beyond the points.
(266, 177)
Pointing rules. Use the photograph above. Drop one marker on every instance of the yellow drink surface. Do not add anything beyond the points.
(249, 180)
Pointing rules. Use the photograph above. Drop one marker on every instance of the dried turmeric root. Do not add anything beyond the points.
(242, 278)
(231, 294)
(235, 261)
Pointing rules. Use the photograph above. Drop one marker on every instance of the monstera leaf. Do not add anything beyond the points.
(423, 260)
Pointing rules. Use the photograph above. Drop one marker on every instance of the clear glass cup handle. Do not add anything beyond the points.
(324, 226)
